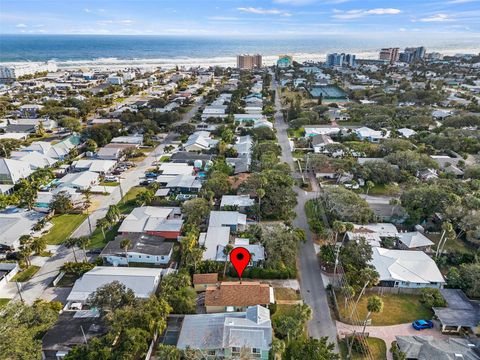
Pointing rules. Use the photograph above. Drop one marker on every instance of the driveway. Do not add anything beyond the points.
(311, 283)
(388, 333)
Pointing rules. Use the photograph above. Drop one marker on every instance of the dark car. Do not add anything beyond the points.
(422, 324)
(146, 182)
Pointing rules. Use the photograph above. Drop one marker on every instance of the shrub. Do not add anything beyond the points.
(432, 298)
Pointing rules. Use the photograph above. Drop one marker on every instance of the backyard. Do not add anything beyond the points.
(63, 226)
(397, 309)
(4, 302)
(377, 347)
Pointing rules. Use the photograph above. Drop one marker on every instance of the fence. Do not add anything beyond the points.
(395, 290)
(58, 278)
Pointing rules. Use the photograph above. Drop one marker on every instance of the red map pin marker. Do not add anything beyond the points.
(240, 257)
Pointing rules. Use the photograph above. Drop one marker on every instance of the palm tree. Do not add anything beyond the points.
(278, 348)
(26, 248)
(370, 276)
(226, 251)
(103, 224)
(71, 243)
(87, 201)
(374, 305)
(125, 244)
(39, 244)
(338, 227)
(82, 242)
(260, 194)
(447, 233)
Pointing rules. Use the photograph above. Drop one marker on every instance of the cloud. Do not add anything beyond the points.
(223, 18)
(294, 2)
(460, 1)
(354, 14)
(260, 11)
(126, 22)
(87, 10)
(21, 26)
(436, 18)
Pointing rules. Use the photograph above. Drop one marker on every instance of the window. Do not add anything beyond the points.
(235, 349)
(148, 256)
(211, 352)
(256, 351)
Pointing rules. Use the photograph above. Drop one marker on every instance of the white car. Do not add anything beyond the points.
(111, 179)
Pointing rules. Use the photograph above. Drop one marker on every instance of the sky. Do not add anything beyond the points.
(242, 18)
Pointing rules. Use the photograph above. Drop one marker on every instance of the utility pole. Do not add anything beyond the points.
(19, 289)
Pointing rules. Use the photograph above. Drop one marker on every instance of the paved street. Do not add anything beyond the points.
(36, 286)
(312, 287)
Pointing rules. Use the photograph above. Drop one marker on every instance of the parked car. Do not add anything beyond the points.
(146, 182)
(151, 175)
(422, 324)
(110, 178)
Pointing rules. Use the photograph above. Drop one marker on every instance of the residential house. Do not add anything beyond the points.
(142, 281)
(114, 154)
(165, 222)
(199, 140)
(14, 223)
(12, 171)
(257, 251)
(202, 281)
(373, 233)
(30, 110)
(73, 328)
(406, 269)
(374, 136)
(225, 335)
(212, 240)
(413, 240)
(34, 159)
(232, 296)
(406, 132)
(175, 169)
(427, 347)
(144, 249)
(233, 219)
(184, 184)
(7, 271)
(80, 180)
(242, 203)
(44, 198)
(135, 140)
(92, 165)
(319, 142)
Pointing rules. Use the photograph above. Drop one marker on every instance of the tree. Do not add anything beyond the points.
(82, 242)
(145, 197)
(91, 145)
(176, 289)
(218, 183)
(368, 186)
(226, 251)
(448, 233)
(77, 268)
(168, 352)
(345, 205)
(338, 227)
(277, 349)
(22, 327)
(432, 297)
(191, 254)
(260, 195)
(61, 203)
(103, 224)
(290, 325)
(311, 349)
(39, 244)
(111, 296)
(71, 243)
(126, 244)
(196, 211)
(374, 305)
(71, 124)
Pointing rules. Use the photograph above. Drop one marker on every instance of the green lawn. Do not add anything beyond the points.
(377, 347)
(397, 309)
(4, 302)
(26, 274)
(379, 190)
(457, 245)
(109, 183)
(97, 241)
(67, 280)
(63, 226)
(298, 133)
(126, 205)
(286, 294)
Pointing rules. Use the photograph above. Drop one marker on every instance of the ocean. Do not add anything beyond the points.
(117, 51)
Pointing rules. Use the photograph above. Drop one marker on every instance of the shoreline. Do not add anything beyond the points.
(222, 61)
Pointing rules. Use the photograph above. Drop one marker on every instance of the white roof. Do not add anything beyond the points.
(100, 166)
(214, 237)
(150, 218)
(414, 239)
(184, 181)
(14, 169)
(176, 169)
(226, 218)
(33, 158)
(406, 132)
(82, 179)
(134, 139)
(143, 281)
(382, 229)
(405, 265)
(16, 136)
(15, 224)
(256, 251)
(236, 200)
(367, 132)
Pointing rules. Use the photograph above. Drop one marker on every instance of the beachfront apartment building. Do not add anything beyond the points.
(248, 62)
